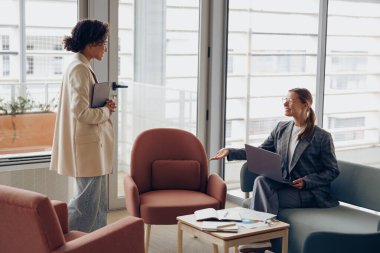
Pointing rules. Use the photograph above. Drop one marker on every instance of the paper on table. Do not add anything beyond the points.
(253, 224)
(249, 214)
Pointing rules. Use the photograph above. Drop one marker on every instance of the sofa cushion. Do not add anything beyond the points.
(176, 174)
(344, 219)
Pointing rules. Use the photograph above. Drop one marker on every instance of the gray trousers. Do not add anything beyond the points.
(88, 208)
(269, 196)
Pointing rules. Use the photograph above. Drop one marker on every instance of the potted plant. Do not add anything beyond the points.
(26, 126)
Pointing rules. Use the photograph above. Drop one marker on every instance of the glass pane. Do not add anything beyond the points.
(352, 83)
(158, 58)
(33, 88)
(272, 47)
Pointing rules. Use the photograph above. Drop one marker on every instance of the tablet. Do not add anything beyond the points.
(100, 94)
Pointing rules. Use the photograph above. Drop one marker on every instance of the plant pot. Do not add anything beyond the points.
(28, 132)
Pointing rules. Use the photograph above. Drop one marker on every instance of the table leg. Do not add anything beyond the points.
(180, 237)
(215, 248)
(284, 240)
(225, 247)
(236, 249)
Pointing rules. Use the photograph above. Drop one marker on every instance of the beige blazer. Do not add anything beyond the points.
(83, 142)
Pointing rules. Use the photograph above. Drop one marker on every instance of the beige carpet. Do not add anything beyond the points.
(164, 237)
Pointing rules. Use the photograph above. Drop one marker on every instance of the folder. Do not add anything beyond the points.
(100, 94)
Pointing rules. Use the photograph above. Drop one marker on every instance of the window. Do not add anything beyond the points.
(58, 65)
(6, 65)
(30, 65)
(335, 122)
(278, 64)
(228, 129)
(158, 52)
(348, 82)
(352, 93)
(5, 42)
(30, 45)
(262, 126)
(42, 60)
(272, 57)
(230, 65)
(44, 43)
(273, 45)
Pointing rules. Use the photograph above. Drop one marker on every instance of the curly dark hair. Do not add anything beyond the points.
(86, 32)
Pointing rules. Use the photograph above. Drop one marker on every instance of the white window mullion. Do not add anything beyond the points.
(22, 59)
(216, 101)
(321, 61)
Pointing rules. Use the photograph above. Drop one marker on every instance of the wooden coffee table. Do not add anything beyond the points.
(188, 224)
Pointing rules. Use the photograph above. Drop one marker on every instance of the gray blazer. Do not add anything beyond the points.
(313, 160)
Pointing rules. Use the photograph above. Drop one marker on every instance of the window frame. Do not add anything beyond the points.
(32, 160)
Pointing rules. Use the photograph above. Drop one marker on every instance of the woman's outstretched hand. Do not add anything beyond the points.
(221, 154)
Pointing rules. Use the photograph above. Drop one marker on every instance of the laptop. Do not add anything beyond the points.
(265, 163)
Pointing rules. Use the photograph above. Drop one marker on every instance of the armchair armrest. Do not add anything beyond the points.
(132, 196)
(247, 178)
(123, 236)
(62, 213)
(217, 189)
(331, 242)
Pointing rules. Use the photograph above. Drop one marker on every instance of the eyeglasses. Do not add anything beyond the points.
(271, 221)
(288, 100)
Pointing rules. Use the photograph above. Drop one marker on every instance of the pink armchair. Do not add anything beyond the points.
(30, 223)
(169, 177)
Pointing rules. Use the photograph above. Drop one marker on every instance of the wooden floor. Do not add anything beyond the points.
(164, 237)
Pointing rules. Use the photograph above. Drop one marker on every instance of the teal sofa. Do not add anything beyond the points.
(346, 228)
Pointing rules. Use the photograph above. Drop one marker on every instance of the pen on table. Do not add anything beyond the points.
(225, 214)
(251, 220)
(256, 220)
(226, 225)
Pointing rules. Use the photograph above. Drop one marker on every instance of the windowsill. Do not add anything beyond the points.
(24, 151)
(24, 161)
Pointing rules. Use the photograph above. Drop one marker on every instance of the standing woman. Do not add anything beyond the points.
(83, 142)
(307, 159)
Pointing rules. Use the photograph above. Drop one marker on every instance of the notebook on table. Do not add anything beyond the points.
(215, 226)
(210, 214)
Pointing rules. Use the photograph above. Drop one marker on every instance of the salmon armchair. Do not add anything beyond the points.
(169, 178)
(29, 222)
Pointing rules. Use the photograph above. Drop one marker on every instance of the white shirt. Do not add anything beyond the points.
(293, 142)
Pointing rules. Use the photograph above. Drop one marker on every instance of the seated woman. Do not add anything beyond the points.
(307, 158)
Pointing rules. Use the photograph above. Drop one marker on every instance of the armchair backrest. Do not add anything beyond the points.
(28, 222)
(157, 153)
